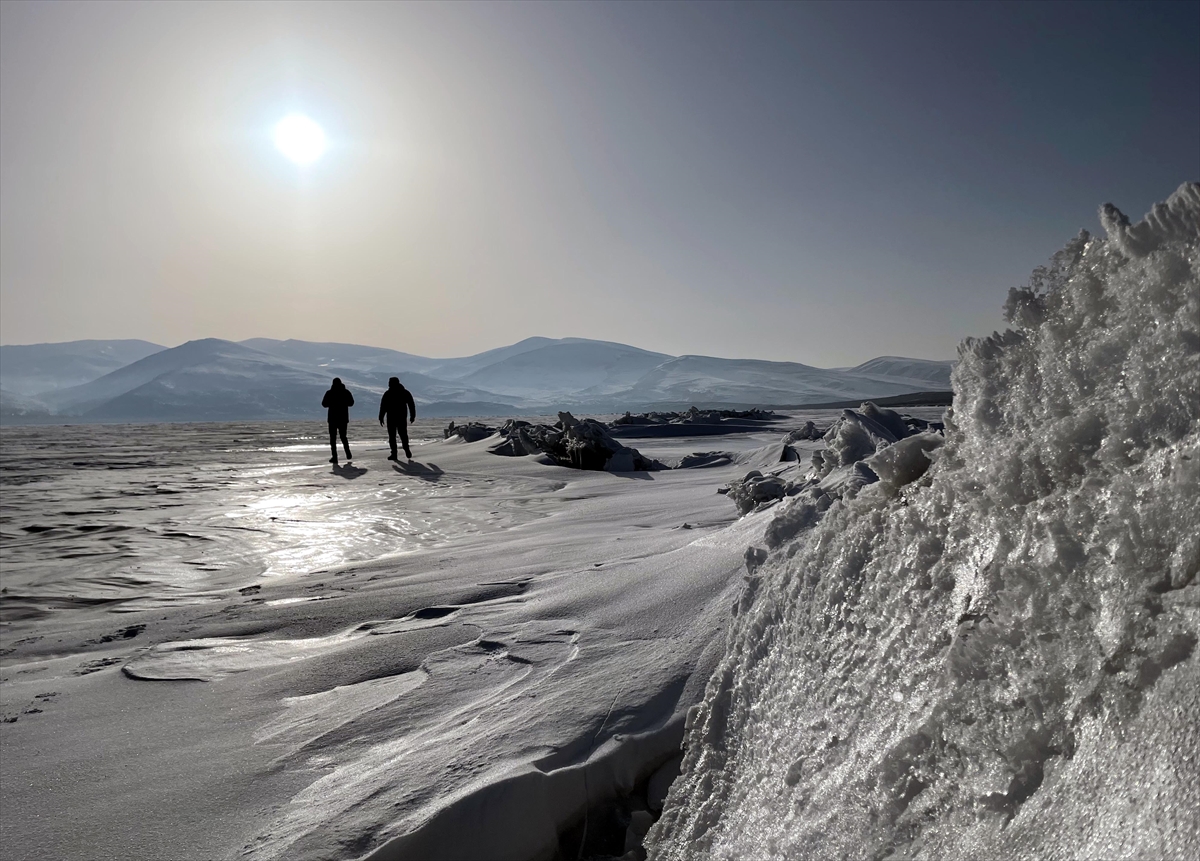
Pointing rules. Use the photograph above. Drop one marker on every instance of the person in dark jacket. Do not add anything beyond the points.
(398, 407)
(338, 400)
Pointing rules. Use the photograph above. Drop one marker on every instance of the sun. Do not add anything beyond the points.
(299, 138)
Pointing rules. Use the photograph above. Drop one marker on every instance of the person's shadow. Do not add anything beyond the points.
(426, 472)
(348, 471)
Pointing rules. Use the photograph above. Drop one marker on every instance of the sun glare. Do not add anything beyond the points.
(300, 139)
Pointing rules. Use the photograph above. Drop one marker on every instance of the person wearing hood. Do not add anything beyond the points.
(398, 408)
(338, 401)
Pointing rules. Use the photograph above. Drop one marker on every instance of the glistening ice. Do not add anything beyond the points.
(997, 660)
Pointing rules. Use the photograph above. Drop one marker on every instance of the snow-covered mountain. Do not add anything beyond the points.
(335, 358)
(212, 379)
(17, 408)
(29, 369)
(201, 380)
(262, 378)
(453, 369)
(570, 369)
(751, 381)
(922, 372)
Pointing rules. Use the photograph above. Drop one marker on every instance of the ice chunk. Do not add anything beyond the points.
(906, 461)
(578, 443)
(808, 432)
(1177, 219)
(470, 432)
(756, 490)
(859, 434)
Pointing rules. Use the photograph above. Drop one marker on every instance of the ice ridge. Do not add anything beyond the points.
(994, 658)
(1175, 219)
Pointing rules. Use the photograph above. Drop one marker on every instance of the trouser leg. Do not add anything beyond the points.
(333, 439)
(345, 444)
(400, 428)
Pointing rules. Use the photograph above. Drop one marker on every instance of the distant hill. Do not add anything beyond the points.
(568, 369)
(35, 368)
(220, 359)
(453, 369)
(208, 380)
(743, 381)
(15, 408)
(931, 374)
(262, 378)
(342, 357)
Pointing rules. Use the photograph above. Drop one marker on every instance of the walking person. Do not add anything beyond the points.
(338, 401)
(398, 407)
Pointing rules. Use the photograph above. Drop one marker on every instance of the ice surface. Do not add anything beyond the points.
(996, 659)
(261, 655)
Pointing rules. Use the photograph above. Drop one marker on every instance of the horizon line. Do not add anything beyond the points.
(488, 350)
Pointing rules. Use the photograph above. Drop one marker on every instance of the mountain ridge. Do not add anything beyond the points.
(262, 378)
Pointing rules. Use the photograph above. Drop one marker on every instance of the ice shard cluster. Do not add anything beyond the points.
(996, 658)
(862, 447)
(577, 443)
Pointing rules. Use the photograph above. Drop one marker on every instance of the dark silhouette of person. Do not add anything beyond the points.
(338, 400)
(398, 407)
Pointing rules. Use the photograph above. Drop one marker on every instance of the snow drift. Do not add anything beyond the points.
(995, 657)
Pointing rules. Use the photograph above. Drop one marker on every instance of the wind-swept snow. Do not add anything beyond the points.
(261, 656)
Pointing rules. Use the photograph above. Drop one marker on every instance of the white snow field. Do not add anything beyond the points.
(998, 659)
(216, 645)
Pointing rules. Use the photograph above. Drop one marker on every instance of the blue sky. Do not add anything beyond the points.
(810, 182)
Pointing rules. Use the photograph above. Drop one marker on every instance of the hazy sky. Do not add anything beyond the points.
(805, 182)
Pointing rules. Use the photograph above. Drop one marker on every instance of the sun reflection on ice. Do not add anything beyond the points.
(182, 514)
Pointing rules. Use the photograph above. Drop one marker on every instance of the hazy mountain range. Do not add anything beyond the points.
(261, 378)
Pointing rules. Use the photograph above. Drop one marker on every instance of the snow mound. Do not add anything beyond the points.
(996, 659)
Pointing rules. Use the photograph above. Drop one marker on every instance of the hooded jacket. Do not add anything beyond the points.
(339, 400)
(397, 404)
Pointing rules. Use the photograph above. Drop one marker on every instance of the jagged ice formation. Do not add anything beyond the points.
(997, 659)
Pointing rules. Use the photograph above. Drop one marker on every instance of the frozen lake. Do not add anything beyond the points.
(138, 516)
(211, 633)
